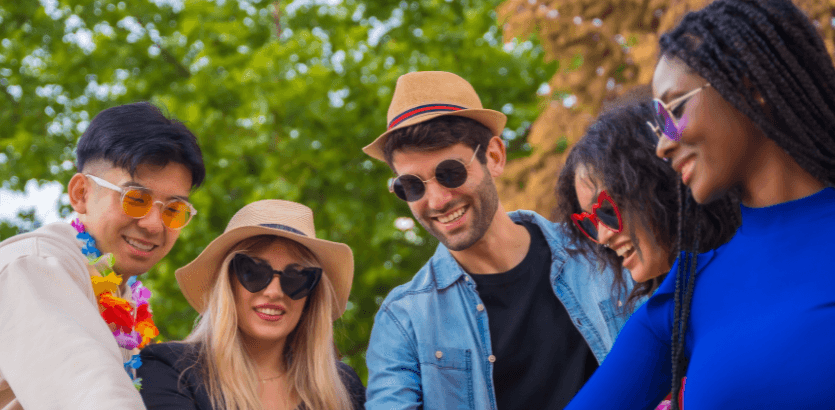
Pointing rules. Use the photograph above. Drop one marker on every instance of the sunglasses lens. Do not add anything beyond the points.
(607, 214)
(664, 120)
(408, 188)
(297, 282)
(451, 173)
(253, 276)
(136, 203)
(587, 227)
(176, 214)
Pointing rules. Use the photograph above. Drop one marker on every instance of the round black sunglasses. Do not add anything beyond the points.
(450, 173)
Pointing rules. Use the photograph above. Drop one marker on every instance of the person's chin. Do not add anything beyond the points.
(460, 242)
(128, 270)
(704, 193)
(704, 187)
(639, 275)
(638, 268)
(129, 265)
(643, 273)
(700, 195)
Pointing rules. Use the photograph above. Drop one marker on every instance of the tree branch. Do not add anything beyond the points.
(170, 58)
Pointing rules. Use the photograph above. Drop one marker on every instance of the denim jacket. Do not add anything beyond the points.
(430, 344)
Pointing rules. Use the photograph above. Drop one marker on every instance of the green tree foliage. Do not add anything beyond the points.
(282, 100)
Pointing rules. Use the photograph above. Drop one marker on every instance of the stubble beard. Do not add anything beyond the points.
(482, 211)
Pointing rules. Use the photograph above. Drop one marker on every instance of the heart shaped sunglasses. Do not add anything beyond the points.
(603, 212)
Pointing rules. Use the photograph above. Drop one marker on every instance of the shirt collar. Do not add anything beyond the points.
(447, 270)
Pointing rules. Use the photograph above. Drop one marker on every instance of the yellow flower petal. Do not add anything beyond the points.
(108, 300)
(109, 283)
(147, 330)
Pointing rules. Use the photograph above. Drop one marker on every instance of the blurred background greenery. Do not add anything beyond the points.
(282, 97)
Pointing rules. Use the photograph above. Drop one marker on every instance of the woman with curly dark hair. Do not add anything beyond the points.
(619, 202)
(744, 101)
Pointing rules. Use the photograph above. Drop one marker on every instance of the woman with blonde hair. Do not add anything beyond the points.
(260, 343)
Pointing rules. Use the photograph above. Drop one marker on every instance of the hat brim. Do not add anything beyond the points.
(493, 120)
(197, 278)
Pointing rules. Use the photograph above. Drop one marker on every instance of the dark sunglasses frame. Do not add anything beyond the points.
(594, 219)
(666, 123)
(264, 274)
(397, 187)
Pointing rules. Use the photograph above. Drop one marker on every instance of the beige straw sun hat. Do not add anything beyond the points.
(268, 217)
(424, 95)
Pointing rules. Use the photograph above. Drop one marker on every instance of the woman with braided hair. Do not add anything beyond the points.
(745, 103)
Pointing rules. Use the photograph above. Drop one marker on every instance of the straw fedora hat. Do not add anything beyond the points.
(424, 95)
(268, 217)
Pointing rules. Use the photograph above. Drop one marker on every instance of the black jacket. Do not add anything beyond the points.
(163, 387)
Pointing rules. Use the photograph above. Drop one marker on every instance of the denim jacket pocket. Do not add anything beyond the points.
(449, 373)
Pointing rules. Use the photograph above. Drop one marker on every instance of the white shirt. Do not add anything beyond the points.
(56, 351)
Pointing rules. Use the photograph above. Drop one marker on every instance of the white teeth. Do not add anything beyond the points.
(455, 215)
(271, 312)
(138, 245)
(624, 249)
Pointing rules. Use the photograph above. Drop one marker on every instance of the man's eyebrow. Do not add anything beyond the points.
(135, 184)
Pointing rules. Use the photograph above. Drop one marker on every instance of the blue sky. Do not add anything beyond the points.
(44, 199)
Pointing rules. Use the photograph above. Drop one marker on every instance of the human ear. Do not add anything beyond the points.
(78, 190)
(496, 156)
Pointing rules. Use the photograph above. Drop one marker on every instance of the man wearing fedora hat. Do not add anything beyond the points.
(551, 316)
(60, 344)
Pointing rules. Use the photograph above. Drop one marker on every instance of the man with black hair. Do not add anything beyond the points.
(552, 318)
(71, 313)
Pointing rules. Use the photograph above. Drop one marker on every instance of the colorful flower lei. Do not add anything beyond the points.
(132, 328)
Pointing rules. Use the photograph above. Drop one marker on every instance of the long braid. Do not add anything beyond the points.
(752, 49)
(691, 285)
(685, 284)
(677, 300)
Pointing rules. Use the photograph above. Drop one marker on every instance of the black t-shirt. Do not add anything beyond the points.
(542, 360)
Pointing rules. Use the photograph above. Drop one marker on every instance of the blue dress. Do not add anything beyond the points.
(762, 322)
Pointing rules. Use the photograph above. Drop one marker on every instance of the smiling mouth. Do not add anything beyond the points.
(270, 312)
(625, 251)
(452, 217)
(140, 246)
(686, 169)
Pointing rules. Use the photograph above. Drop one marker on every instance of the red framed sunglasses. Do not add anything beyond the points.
(604, 211)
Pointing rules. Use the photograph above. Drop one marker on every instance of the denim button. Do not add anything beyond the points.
(491, 359)
(479, 307)
(439, 354)
(467, 278)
